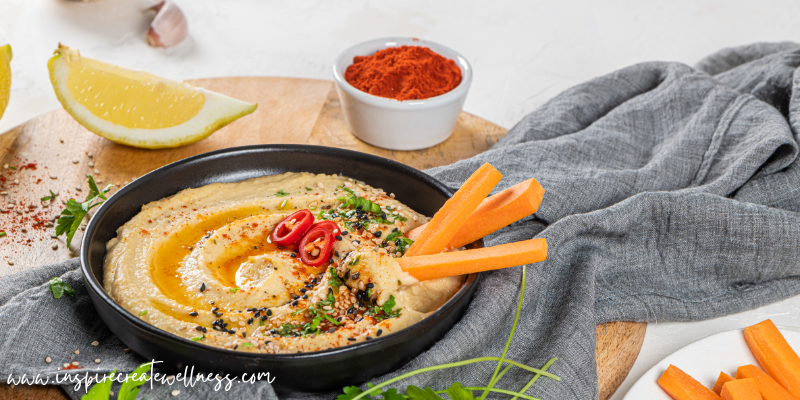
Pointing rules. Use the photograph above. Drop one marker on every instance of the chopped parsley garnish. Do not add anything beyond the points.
(12, 167)
(58, 288)
(283, 204)
(334, 281)
(234, 289)
(385, 311)
(359, 203)
(143, 313)
(281, 193)
(401, 242)
(49, 198)
(247, 344)
(2, 233)
(355, 260)
(309, 189)
(75, 212)
(198, 338)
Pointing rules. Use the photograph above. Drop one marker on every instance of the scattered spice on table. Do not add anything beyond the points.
(404, 73)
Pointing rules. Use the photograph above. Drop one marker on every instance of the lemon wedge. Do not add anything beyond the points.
(5, 77)
(136, 108)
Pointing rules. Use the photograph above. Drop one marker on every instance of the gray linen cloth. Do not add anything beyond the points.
(672, 193)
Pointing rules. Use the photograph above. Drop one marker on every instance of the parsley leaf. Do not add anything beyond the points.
(349, 393)
(247, 344)
(457, 392)
(130, 388)
(101, 390)
(385, 311)
(49, 198)
(309, 189)
(2, 233)
(198, 338)
(281, 193)
(143, 313)
(401, 242)
(415, 393)
(74, 213)
(235, 289)
(359, 203)
(58, 288)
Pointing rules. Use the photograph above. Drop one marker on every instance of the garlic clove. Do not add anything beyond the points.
(169, 26)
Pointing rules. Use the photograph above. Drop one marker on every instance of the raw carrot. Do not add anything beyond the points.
(769, 389)
(741, 389)
(723, 379)
(680, 386)
(475, 260)
(455, 212)
(774, 354)
(498, 211)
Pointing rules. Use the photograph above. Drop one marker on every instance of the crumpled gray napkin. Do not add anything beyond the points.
(672, 193)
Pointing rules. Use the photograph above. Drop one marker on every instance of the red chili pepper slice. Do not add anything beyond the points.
(288, 232)
(317, 239)
(330, 226)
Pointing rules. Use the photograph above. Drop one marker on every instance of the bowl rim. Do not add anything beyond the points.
(93, 284)
(457, 93)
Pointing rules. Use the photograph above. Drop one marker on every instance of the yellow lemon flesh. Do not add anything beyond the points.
(137, 108)
(5, 77)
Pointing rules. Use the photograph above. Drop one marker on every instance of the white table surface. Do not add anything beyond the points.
(523, 53)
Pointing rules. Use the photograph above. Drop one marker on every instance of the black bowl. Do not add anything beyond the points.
(330, 369)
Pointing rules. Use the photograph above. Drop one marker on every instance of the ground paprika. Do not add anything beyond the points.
(404, 73)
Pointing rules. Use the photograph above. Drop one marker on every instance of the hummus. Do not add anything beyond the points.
(201, 265)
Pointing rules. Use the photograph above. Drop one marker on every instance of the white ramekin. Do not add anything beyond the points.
(394, 124)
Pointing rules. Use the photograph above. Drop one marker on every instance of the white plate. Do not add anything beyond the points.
(703, 360)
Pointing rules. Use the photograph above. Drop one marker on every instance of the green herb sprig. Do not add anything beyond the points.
(334, 281)
(385, 311)
(59, 288)
(281, 193)
(74, 213)
(455, 391)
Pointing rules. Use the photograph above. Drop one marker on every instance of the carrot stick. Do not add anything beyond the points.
(769, 389)
(680, 386)
(741, 389)
(475, 260)
(774, 354)
(455, 212)
(722, 380)
(495, 212)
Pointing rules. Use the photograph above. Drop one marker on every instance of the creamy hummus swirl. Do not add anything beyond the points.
(201, 265)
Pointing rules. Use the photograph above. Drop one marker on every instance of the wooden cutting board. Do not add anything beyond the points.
(53, 152)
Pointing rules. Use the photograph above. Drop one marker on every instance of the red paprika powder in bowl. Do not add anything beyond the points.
(401, 93)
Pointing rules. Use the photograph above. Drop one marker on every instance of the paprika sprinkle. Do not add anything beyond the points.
(404, 73)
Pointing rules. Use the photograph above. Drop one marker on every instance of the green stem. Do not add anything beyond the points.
(510, 336)
(495, 390)
(453, 365)
(533, 380)
(503, 372)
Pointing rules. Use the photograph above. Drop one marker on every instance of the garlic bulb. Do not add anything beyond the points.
(169, 26)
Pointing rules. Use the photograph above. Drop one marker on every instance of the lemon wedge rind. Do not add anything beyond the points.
(5, 77)
(217, 110)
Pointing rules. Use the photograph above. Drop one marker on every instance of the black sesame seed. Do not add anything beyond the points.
(358, 295)
(211, 302)
(294, 255)
(193, 313)
(269, 312)
(330, 261)
(294, 303)
(263, 317)
(351, 339)
(257, 314)
(235, 346)
(203, 287)
(199, 328)
(375, 302)
(378, 233)
(361, 304)
(305, 297)
(250, 321)
(379, 332)
(347, 275)
(370, 285)
(368, 338)
(356, 275)
(331, 330)
(303, 290)
(338, 237)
